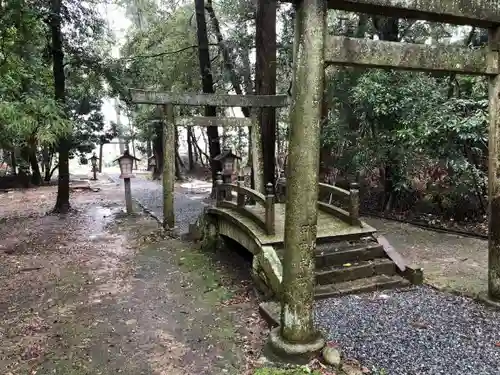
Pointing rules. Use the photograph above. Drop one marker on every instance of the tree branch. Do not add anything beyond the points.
(163, 53)
(226, 55)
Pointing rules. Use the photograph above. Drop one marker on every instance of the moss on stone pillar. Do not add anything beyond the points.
(494, 178)
(302, 178)
(168, 167)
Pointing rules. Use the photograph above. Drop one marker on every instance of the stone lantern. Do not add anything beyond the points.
(152, 163)
(93, 161)
(228, 162)
(126, 162)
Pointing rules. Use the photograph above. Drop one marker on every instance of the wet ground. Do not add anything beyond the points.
(188, 199)
(97, 292)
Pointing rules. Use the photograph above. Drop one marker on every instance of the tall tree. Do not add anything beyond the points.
(265, 80)
(207, 83)
(30, 118)
(62, 201)
(190, 148)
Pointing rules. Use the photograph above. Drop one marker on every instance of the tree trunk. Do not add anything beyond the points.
(119, 127)
(199, 151)
(36, 176)
(178, 155)
(47, 175)
(196, 155)
(205, 145)
(13, 162)
(388, 30)
(207, 85)
(100, 157)
(190, 149)
(46, 161)
(47, 164)
(179, 165)
(133, 153)
(178, 174)
(148, 148)
(247, 80)
(158, 150)
(265, 81)
(62, 201)
(226, 55)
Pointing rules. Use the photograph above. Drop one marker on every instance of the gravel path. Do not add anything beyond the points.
(188, 199)
(415, 332)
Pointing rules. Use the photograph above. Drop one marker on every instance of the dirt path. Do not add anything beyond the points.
(96, 292)
(450, 262)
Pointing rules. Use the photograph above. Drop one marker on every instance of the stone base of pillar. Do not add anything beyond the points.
(297, 353)
(489, 301)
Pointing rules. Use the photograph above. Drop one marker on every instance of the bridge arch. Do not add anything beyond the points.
(229, 226)
(267, 270)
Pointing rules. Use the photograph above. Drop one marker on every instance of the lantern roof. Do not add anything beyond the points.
(126, 155)
(94, 156)
(225, 154)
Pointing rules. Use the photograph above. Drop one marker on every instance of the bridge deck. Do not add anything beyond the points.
(328, 226)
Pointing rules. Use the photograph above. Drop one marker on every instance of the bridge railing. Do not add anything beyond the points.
(224, 198)
(349, 198)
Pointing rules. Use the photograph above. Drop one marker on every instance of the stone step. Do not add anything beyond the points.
(356, 239)
(270, 312)
(333, 255)
(369, 284)
(361, 248)
(364, 269)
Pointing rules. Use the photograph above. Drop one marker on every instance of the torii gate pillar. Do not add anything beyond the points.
(296, 335)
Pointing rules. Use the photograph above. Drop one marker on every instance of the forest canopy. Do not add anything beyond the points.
(414, 140)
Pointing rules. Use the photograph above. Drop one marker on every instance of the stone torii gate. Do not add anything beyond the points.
(167, 101)
(313, 50)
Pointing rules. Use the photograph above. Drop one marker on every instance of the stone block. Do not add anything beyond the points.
(268, 266)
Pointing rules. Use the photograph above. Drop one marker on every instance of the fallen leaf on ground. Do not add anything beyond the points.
(420, 325)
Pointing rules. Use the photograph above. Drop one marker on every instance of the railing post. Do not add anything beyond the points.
(240, 200)
(354, 203)
(269, 209)
(218, 189)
